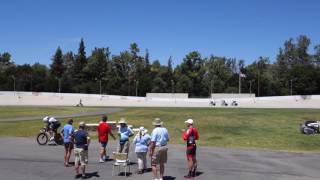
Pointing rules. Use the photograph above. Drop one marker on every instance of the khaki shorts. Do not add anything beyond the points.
(159, 155)
(81, 156)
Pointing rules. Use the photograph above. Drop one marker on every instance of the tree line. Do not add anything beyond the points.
(294, 71)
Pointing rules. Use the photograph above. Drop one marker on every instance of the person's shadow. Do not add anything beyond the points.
(168, 178)
(93, 174)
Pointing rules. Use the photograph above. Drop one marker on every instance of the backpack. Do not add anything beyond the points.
(191, 141)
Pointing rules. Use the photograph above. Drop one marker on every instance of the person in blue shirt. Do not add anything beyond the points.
(142, 141)
(158, 148)
(67, 134)
(81, 142)
(124, 133)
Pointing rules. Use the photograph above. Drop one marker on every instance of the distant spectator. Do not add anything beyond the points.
(81, 141)
(124, 133)
(190, 136)
(142, 141)
(103, 131)
(67, 134)
(158, 148)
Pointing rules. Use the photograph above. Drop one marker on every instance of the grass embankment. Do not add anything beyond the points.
(272, 129)
(7, 112)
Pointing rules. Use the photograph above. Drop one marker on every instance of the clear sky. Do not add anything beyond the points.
(31, 30)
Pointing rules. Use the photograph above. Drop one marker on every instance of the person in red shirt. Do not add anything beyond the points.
(190, 136)
(103, 131)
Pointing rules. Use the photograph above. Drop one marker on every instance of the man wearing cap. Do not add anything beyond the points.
(158, 148)
(190, 136)
(82, 141)
(124, 133)
(103, 132)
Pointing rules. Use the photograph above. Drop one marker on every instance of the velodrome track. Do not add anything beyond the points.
(23, 159)
(66, 99)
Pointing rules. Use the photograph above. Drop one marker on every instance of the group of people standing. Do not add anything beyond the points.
(155, 144)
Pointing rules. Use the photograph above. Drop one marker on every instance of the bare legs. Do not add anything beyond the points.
(155, 171)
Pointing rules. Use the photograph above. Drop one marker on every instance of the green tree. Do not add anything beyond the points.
(57, 66)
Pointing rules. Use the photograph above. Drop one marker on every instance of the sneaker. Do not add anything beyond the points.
(101, 161)
(106, 158)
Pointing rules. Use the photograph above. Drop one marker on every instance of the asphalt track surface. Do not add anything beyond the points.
(100, 112)
(23, 159)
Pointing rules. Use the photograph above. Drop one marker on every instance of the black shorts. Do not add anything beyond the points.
(191, 151)
(68, 145)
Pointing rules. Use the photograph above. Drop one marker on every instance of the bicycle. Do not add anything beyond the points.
(45, 135)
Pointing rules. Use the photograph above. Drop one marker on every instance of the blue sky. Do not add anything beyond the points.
(31, 30)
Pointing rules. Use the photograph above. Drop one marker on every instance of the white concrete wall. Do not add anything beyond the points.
(168, 95)
(66, 99)
(228, 95)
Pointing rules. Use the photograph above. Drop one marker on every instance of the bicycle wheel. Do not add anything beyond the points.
(42, 138)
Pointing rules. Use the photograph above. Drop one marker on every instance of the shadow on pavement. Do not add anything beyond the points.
(168, 178)
(93, 174)
(123, 174)
(198, 173)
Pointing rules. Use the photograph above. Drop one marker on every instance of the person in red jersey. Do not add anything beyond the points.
(103, 131)
(190, 136)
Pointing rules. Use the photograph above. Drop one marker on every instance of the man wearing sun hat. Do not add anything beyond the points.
(158, 148)
(190, 136)
(124, 133)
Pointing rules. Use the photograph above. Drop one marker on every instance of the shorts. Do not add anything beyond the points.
(81, 156)
(104, 144)
(123, 148)
(68, 145)
(191, 151)
(160, 155)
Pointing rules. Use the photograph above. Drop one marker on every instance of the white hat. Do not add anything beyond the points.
(143, 130)
(122, 121)
(189, 121)
(82, 124)
(157, 122)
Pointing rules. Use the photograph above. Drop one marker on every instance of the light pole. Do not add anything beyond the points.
(14, 84)
(291, 87)
(59, 85)
(250, 86)
(31, 88)
(172, 90)
(137, 84)
(172, 87)
(100, 86)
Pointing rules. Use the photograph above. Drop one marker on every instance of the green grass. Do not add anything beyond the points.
(270, 129)
(24, 111)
